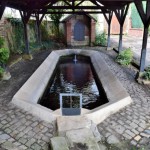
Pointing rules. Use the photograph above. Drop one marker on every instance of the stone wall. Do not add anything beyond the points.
(135, 32)
(2, 27)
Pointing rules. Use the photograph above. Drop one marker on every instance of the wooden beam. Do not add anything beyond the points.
(72, 12)
(38, 22)
(2, 8)
(74, 7)
(139, 6)
(25, 18)
(121, 15)
(145, 17)
(108, 20)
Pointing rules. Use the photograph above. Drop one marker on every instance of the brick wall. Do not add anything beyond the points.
(135, 32)
(92, 32)
(115, 26)
(138, 32)
(89, 30)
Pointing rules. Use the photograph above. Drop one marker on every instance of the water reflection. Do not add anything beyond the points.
(73, 77)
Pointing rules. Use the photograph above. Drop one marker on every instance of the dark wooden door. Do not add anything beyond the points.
(79, 31)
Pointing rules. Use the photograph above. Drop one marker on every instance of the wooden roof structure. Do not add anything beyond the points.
(107, 7)
(36, 5)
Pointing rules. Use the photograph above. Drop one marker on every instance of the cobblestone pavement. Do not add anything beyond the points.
(133, 122)
(19, 130)
(135, 43)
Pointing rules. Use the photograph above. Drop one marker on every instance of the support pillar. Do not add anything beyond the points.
(120, 39)
(108, 20)
(26, 39)
(145, 17)
(25, 18)
(121, 15)
(38, 23)
(143, 51)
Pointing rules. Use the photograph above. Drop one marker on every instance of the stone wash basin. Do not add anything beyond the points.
(29, 94)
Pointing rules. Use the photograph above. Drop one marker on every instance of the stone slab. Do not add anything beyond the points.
(10, 146)
(67, 123)
(59, 143)
(83, 137)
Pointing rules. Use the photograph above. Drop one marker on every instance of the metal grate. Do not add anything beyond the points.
(71, 104)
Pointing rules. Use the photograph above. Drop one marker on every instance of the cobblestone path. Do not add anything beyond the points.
(20, 130)
(133, 122)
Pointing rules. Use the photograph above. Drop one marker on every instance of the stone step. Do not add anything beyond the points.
(82, 139)
(59, 143)
(65, 123)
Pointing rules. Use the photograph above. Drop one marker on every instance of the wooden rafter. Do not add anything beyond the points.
(2, 8)
(71, 12)
(108, 20)
(121, 14)
(109, 17)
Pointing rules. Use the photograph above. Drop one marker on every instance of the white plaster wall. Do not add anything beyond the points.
(100, 24)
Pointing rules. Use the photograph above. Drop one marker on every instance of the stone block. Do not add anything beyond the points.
(10, 146)
(66, 123)
(83, 137)
(59, 143)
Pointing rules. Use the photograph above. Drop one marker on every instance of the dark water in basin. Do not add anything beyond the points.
(71, 77)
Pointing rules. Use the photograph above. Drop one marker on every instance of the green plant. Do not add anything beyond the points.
(146, 74)
(1, 71)
(125, 57)
(4, 55)
(100, 39)
(56, 16)
(44, 32)
(1, 42)
(17, 35)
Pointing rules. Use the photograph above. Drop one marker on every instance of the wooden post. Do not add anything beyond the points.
(2, 8)
(25, 18)
(121, 15)
(108, 20)
(120, 39)
(145, 17)
(38, 23)
(143, 51)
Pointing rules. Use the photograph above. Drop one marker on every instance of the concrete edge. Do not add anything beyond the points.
(101, 113)
(28, 95)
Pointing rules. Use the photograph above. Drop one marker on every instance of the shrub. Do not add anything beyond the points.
(146, 74)
(100, 39)
(4, 55)
(125, 57)
(1, 42)
(1, 71)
